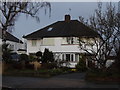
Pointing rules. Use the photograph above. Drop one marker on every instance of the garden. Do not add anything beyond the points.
(37, 65)
(44, 65)
(110, 74)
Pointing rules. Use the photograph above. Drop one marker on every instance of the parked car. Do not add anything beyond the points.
(15, 56)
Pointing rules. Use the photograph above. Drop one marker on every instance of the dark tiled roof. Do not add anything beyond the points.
(10, 37)
(73, 28)
(21, 50)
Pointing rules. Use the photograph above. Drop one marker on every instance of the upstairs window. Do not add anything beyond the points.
(70, 40)
(48, 41)
(11, 47)
(34, 42)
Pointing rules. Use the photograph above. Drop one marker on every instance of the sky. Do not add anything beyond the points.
(28, 25)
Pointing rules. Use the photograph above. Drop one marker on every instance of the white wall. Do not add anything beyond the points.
(57, 47)
(16, 45)
(33, 49)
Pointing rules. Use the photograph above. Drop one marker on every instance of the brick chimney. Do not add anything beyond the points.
(67, 18)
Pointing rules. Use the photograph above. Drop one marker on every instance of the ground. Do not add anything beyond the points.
(72, 80)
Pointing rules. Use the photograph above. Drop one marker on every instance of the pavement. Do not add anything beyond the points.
(73, 80)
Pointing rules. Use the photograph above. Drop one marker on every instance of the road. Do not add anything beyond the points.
(73, 80)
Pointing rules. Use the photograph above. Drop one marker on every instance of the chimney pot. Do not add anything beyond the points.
(67, 18)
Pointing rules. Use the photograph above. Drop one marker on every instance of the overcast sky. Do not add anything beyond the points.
(25, 25)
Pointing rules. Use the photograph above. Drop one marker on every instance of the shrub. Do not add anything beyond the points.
(47, 56)
(31, 58)
(6, 56)
(23, 57)
(16, 65)
(81, 65)
(28, 65)
(66, 69)
(49, 65)
(39, 55)
(56, 71)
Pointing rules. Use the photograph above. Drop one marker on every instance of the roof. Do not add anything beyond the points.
(73, 28)
(10, 37)
(21, 50)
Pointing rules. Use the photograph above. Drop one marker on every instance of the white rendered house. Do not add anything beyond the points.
(14, 43)
(62, 38)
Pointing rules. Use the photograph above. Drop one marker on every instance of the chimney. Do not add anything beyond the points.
(67, 18)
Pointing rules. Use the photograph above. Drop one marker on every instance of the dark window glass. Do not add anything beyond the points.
(67, 57)
(72, 58)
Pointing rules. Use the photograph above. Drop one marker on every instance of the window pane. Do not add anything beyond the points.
(34, 42)
(76, 57)
(72, 58)
(63, 57)
(72, 40)
(67, 57)
(48, 41)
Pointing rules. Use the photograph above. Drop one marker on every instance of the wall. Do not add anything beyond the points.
(16, 45)
(56, 47)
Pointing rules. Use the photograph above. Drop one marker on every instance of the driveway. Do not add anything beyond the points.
(73, 80)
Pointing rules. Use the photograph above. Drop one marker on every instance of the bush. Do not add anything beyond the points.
(16, 65)
(23, 57)
(56, 71)
(29, 66)
(31, 58)
(49, 65)
(81, 65)
(47, 56)
(39, 55)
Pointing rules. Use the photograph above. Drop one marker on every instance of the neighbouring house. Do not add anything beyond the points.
(62, 38)
(15, 44)
(0, 45)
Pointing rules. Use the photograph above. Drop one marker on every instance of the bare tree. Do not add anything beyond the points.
(10, 11)
(106, 24)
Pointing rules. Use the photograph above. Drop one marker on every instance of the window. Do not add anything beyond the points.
(67, 57)
(34, 42)
(63, 57)
(48, 41)
(76, 57)
(72, 40)
(72, 58)
(11, 47)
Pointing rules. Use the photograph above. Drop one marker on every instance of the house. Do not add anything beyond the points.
(62, 38)
(14, 43)
(0, 45)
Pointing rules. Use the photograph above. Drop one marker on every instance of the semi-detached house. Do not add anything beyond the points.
(15, 44)
(62, 38)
